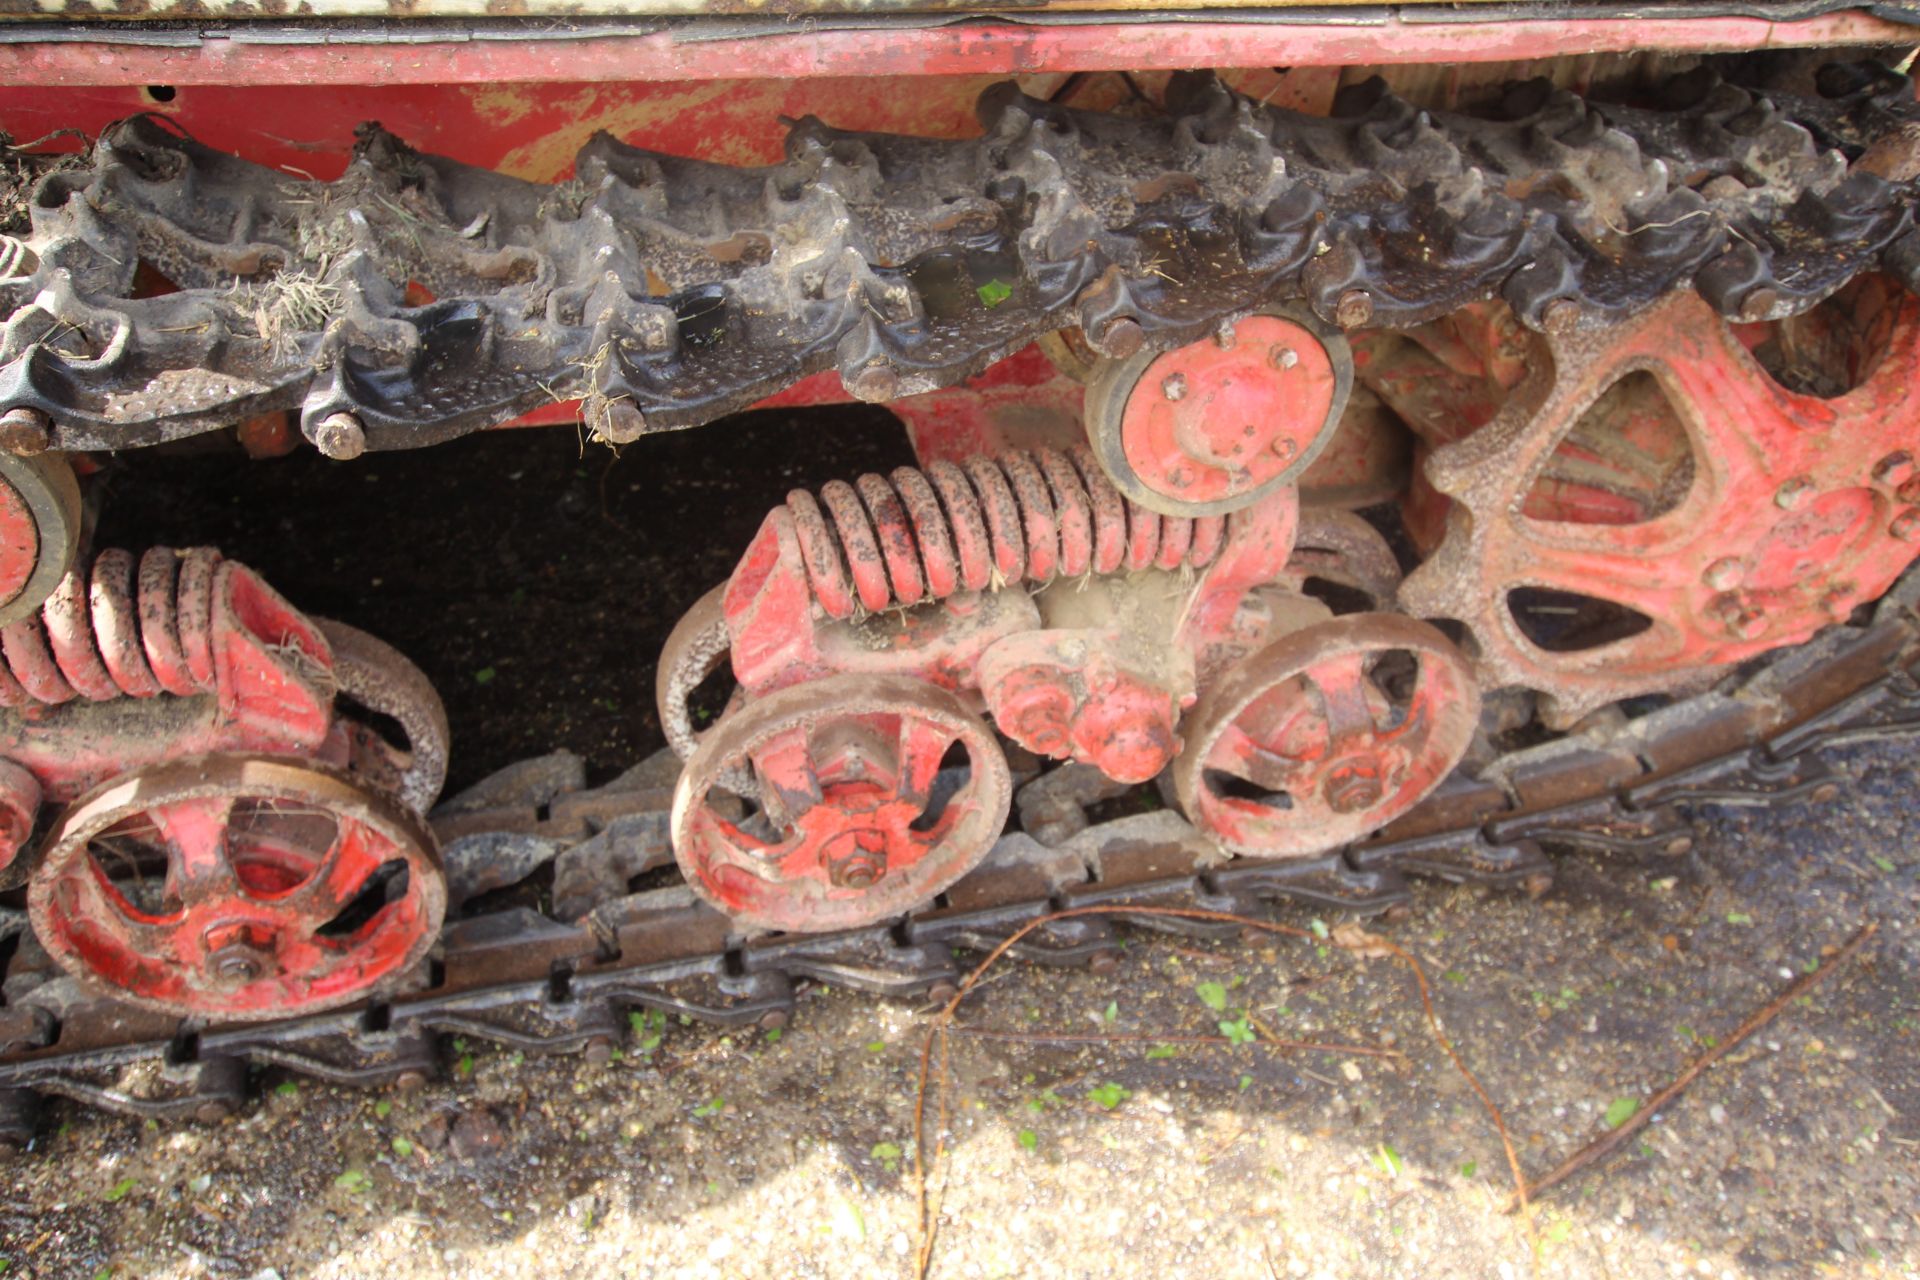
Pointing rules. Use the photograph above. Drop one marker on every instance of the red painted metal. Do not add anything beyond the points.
(1303, 747)
(975, 47)
(19, 542)
(76, 675)
(129, 670)
(1083, 625)
(1659, 466)
(1217, 420)
(236, 887)
(849, 827)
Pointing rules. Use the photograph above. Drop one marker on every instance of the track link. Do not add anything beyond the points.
(524, 980)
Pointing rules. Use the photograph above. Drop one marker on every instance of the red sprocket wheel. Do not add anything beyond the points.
(1325, 735)
(1782, 510)
(237, 887)
(849, 826)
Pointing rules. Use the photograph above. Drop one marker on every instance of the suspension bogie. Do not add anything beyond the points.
(1023, 592)
(216, 810)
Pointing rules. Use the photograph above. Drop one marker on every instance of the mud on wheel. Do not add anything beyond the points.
(1327, 734)
(859, 815)
(237, 887)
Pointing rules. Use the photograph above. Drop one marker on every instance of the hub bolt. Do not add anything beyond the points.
(1724, 575)
(1175, 387)
(341, 437)
(1284, 357)
(1906, 525)
(1793, 493)
(1910, 491)
(1350, 791)
(25, 431)
(859, 869)
(234, 966)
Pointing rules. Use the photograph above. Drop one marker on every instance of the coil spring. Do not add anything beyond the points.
(919, 535)
(116, 630)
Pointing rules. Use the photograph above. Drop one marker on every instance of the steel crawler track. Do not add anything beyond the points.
(518, 978)
(173, 289)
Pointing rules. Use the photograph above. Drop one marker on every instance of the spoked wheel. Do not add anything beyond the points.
(1327, 734)
(852, 822)
(235, 887)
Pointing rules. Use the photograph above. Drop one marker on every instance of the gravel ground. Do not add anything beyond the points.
(706, 1154)
(717, 1155)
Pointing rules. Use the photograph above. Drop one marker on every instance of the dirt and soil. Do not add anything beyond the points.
(534, 583)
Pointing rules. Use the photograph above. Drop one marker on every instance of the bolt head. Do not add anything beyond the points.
(1906, 525)
(1355, 308)
(1724, 575)
(1175, 386)
(622, 423)
(1910, 491)
(1120, 339)
(1561, 316)
(25, 431)
(1284, 448)
(1748, 624)
(875, 383)
(1793, 494)
(1759, 305)
(233, 967)
(1894, 470)
(340, 437)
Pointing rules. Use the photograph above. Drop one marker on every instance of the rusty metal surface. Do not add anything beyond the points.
(1737, 509)
(507, 52)
(416, 299)
(517, 978)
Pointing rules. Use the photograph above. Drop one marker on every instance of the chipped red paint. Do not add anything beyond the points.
(1219, 419)
(129, 696)
(1306, 717)
(970, 48)
(1658, 465)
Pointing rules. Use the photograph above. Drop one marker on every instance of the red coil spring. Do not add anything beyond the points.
(116, 631)
(921, 535)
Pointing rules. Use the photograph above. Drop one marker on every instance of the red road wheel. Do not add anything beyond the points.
(1215, 425)
(237, 888)
(39, 530)
(851, 824)
(1325, 735)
